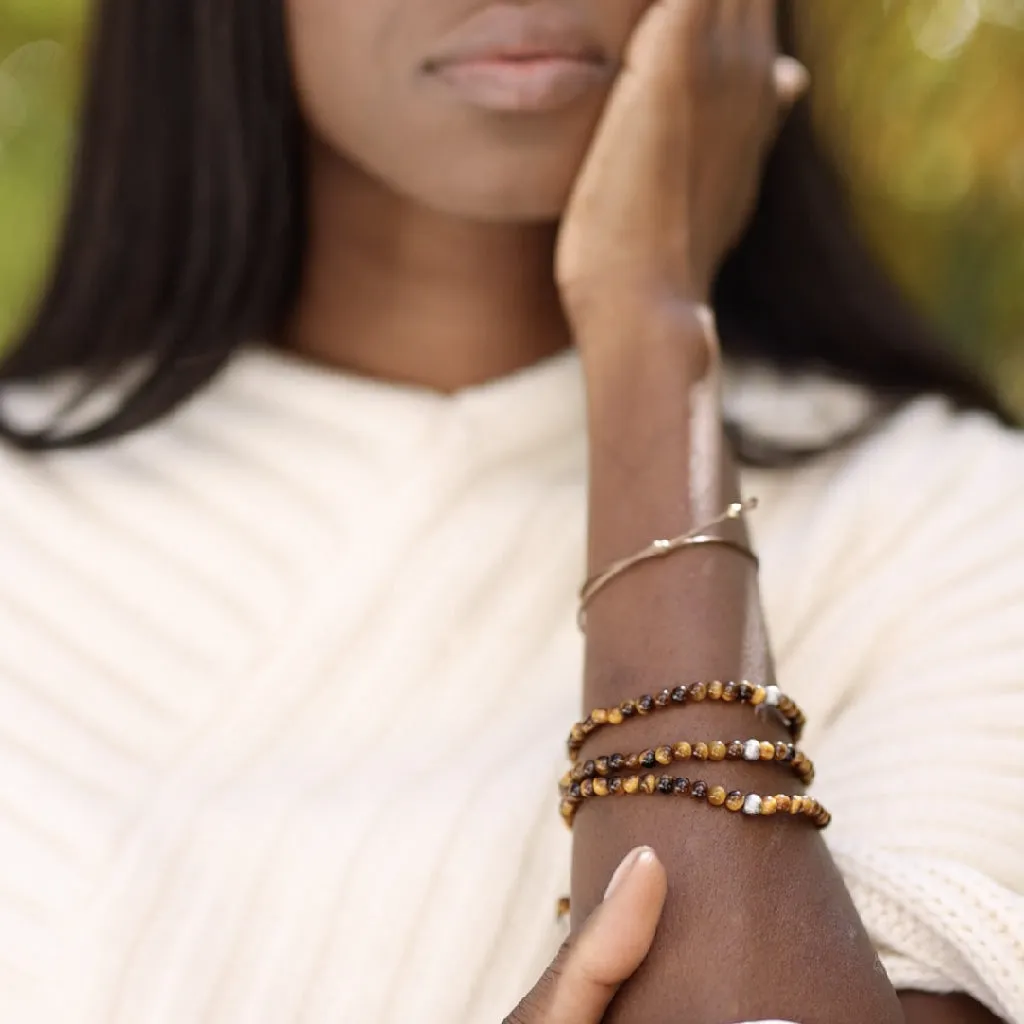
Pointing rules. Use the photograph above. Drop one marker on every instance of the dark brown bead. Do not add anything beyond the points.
(589, 769)
(746, 691)
(647, 759)
(699, 790)
(587, 788)
(615, 786)
(601, 765)
(681, 786)
(628, 709)
(679, 695)
(663, 698)
(631, 762)
(575, 791)
(665, 784)
(730, 692)
(784, 752)
(735, 750)
(645, 705)
(616, 762)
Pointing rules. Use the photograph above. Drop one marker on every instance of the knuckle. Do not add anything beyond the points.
(533, 1006)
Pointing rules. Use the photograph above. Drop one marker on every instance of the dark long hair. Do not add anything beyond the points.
(185, 231)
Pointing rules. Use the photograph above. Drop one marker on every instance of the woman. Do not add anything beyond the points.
(293, 519)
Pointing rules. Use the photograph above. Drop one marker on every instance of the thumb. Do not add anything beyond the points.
(585, 976)
(792, 80)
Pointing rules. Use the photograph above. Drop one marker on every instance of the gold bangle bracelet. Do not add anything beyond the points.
(662, 549)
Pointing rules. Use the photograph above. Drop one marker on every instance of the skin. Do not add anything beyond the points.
(448, 247)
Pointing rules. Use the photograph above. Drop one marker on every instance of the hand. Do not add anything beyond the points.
(583, 979)
(674, 171)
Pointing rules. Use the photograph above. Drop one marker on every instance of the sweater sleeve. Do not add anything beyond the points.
(922, 747)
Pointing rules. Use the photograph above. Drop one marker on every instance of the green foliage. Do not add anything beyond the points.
(919, 100)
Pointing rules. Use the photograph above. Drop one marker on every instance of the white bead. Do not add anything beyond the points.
(752, 805)
(752, 750)
(771, 696)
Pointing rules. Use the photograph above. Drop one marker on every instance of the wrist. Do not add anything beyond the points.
(677, 336)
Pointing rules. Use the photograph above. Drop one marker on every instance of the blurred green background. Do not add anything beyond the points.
(919, 99)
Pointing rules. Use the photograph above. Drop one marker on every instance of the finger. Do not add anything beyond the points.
(581, 983)
(792, 80)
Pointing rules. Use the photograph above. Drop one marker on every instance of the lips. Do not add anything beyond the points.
(521, 58)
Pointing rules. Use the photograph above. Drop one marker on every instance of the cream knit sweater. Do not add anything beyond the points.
(220, 638)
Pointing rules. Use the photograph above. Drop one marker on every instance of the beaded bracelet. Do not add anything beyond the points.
(694, 693)
(714, 796)
(719, 750)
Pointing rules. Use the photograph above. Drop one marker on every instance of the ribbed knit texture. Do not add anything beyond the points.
(252, 659)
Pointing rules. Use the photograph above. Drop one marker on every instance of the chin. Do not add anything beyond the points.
(508, 185)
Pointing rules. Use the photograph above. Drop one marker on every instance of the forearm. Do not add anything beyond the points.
(758, 923)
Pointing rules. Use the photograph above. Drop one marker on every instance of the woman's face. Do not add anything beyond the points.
(478, 109)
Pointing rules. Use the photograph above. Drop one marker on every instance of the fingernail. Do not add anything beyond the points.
(642, 854)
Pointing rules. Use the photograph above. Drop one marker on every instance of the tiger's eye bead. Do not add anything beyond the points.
(649, 783)
(631, 784)
(796, 805)
(730, 692)
(663, 755)
(662, 699)
(716, 796)
(734, 801)
(615, 716)
(600, 787)
(784, 752)
(615, 786)
(575, 791)
(768, 805)
(567, 811)
(665, 784)
(645, 705)
(628, 708)
(565, 781)
(577, 735)
(716, 751)
(587, 788)
(758, 696)
(700, 751)
(564, 907)
(783, 803)
(599, 716)
(698, 692)
(746, 691)
(715, 690)
(601, 765)
(735, 750)
(631, 762)
(647, 759)
(681, 786)
(616, 762)
(699, 790)
(767, 751)
(679, 695)
(682, 751)
(589, 769)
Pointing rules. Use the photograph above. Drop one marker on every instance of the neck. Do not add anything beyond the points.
(394, 291)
